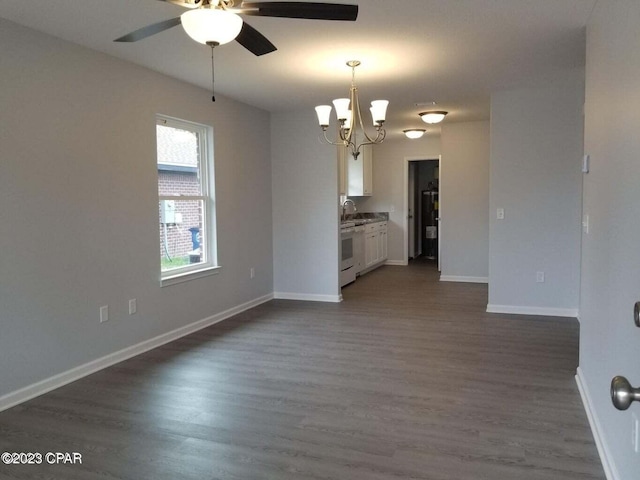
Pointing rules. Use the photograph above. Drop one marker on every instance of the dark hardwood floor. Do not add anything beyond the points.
(408, 378)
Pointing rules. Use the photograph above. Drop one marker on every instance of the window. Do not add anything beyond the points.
(186, 207)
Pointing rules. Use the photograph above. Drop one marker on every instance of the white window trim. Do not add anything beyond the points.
(209, 240)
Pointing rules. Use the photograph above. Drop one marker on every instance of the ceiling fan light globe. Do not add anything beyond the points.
(211, 25)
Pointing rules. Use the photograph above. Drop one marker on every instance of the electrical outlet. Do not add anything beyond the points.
(133, 307)
(500, 214)
(104, 313)
(540, 277)
(252, 272)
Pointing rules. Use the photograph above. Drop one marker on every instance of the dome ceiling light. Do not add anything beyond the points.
(414, 133)
(433, 116)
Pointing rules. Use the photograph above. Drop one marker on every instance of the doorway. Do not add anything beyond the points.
(422, 232)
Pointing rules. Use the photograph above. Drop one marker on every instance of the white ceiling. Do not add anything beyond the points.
(454, 52)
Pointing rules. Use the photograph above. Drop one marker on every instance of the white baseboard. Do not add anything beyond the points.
(308, 297)
(458, 278)
(609, 467)
(398, 263)
(27, 393)
(543, 311)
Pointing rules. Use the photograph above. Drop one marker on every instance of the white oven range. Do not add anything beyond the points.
(347, 264)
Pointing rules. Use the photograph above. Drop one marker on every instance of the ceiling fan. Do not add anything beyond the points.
(215, 22)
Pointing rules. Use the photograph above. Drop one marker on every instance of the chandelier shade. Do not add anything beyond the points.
(324, 113)
(350, 118)
(379, 111)
(211, 25)
(342, 107)
(433, 117)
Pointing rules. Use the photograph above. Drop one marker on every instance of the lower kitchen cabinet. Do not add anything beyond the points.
(382, 244)
(370, 249)
(359, 249)
(375, 244)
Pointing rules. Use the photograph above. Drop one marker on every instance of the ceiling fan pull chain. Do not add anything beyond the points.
(213, 78)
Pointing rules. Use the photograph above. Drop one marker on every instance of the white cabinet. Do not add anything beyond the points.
(370, 249)
(360, 173)
(382, 242)
(359, 249)
(375, 243)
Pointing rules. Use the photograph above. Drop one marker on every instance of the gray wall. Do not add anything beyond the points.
(78, 183)
(464, 180)
(609, 342)
(305, 213)
(388, 185)
(536, 152)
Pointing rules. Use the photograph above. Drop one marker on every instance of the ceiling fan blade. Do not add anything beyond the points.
(308, 10)
(254, 41)
(149, 30)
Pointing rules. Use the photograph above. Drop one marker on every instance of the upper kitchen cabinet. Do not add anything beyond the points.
(360, 173)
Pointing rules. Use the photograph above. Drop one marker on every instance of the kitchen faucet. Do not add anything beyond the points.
(344, 207)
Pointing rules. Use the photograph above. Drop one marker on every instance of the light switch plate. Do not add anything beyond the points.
(585, 223)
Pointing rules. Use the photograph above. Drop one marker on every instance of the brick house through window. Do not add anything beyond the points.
(178, 176)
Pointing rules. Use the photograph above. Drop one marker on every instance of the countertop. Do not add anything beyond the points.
(364, 218)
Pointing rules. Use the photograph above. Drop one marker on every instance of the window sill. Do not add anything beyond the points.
(187, 276)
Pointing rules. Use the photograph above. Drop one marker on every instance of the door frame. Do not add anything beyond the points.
(405, 221)
(411, 234)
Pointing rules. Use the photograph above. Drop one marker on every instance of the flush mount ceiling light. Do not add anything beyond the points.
(434, 116)
(350, 118)
(414, 133)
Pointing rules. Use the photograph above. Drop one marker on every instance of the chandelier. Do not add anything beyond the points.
(350, 118)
